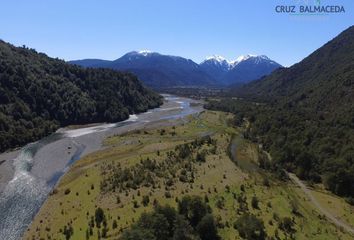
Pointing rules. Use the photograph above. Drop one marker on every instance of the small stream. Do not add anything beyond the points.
(243, 164)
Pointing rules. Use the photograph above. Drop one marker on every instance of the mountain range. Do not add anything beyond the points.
(159, 71)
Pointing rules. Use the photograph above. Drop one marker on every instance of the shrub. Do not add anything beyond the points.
(220, 203)
(145, 201)
(250, 227)
(168, 194)
(286, 224)
(193, 209)
(200, 157)
(207, 228)
(266, 182)
(135, 204)
(115, 224)
(99, 217)
(254, 202)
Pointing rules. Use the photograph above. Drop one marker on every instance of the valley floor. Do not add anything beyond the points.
(133, 172)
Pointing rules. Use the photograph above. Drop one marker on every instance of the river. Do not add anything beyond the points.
(38, 166)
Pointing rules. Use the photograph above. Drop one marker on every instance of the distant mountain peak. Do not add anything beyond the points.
(244, 57)
(136, 55)
(216, 58)
(143, 53)
(257, 58)
(264, 57)
(261, 58)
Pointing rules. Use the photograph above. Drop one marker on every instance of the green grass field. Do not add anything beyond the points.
(218, 179)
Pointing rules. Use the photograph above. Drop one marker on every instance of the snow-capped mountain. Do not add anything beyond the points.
(216, 66)
(243, 69)
(217, 60)
(240, 59)
(136, 55)
(248, 68)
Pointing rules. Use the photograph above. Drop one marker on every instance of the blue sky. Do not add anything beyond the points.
(106, 29)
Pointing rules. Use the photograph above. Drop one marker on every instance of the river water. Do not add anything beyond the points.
(39, 165)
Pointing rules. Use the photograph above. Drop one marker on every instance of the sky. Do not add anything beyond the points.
(107, 29)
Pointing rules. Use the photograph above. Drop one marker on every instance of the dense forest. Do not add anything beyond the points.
(39, 94)
(304, 115)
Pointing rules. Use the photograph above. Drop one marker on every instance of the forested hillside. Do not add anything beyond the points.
(38, 94)
(305, 115)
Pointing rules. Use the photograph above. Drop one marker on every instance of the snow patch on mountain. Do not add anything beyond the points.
(145, 52)
(216, 58)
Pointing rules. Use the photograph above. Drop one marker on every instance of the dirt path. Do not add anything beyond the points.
(328, 215)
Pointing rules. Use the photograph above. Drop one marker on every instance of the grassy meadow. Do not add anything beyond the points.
(141, 168)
